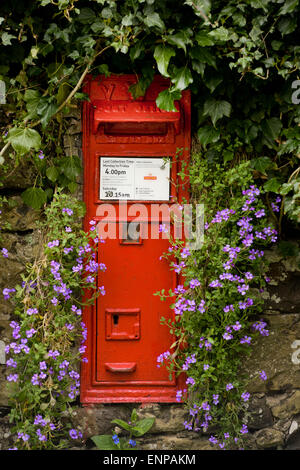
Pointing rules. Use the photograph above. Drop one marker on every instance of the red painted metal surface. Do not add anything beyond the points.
(124, 331)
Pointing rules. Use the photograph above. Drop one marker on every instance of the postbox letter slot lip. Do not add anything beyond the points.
(120, 367)
(132, 112)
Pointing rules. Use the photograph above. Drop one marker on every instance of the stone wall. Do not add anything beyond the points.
(274, 407)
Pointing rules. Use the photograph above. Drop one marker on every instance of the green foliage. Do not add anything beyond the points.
(240, 61)
(135, 428)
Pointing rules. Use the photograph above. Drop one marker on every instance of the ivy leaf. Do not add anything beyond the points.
(46, 109)
(288, 7)
(166, 98)
(162, 55)
(71, 167)
(179, 39)
(182, 79)
(154, 20)
(34, 197)
(271, 127)
(32, 98)
(272, 185)
(23, 140)
(262, 164)
(203, 39)
(216, 109)
(208, 135)
(203, 55)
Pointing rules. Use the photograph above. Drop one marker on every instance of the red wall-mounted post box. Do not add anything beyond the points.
(129, 149)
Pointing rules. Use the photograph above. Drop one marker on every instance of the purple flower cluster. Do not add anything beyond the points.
(222, 215)
(162, 357)
(6, 292)
(189, 360)
(260, 327)
(204, 342)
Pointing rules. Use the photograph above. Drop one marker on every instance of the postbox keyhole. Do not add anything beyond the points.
(115, 319)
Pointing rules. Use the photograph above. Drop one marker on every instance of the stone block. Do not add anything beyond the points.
(269, 438)
(276, 355)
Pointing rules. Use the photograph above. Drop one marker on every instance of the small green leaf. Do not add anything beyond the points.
(52, 173)
(261, 164)
(271, 127)
(154, 20)
(34, 197)
(203, 38)
(71, 167)
(32, 98)
(103, 442)
(46, 109)
(166, 98)
(122, 424)
(180, 40)
(208, 135)
(162, 55)
(216, 109)
(182, 78)
(23, 140)
(272, 185)
(143, 426)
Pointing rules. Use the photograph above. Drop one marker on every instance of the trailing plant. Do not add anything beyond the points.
(135, 428)
(48, 335)
(218, 307)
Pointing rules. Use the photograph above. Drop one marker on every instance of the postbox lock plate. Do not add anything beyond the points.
(122, 324)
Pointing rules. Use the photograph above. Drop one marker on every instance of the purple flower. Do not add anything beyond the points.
(263, 375)
(53, 243)
(67, 211)
(206, 367)
(245, 396)
(54, 301)
(246, 340)
(244, 429)
(215, 399)
(190, 381)
(30, 333)
(260, 213)
(68, 229)
(194, 283)
(7, 292)
(41, 155)
(227, 336)
(4, 252)
(185, 253)
(201, 306)
(228, 308)
(213, 440)
(215, 283)
(229, 386)
(35, 379)
(32, 311)
(11, 363)
(12, 377)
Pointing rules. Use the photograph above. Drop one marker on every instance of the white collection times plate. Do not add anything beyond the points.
(140, 179)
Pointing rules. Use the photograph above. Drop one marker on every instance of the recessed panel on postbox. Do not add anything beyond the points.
(130, 184)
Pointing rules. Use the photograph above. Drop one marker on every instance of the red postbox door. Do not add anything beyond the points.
(130, 168)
